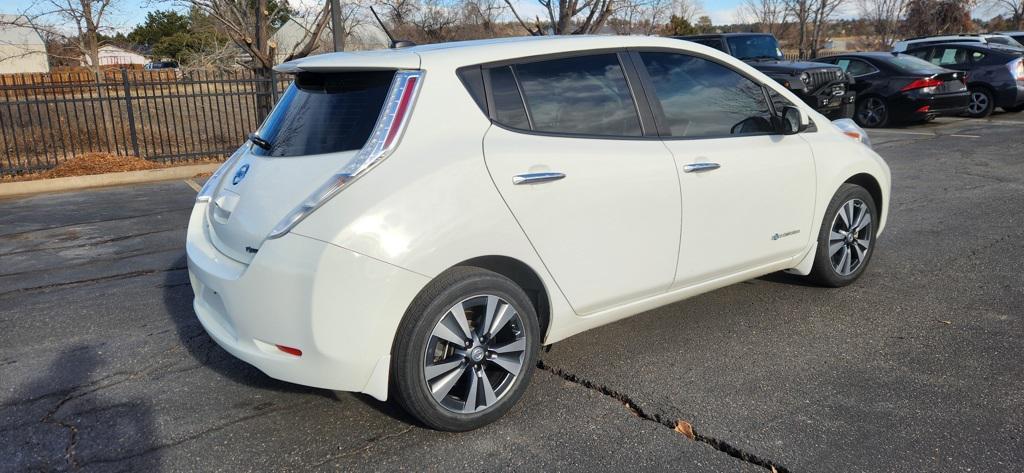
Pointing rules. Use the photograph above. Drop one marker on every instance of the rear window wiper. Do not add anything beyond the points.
(256, 140)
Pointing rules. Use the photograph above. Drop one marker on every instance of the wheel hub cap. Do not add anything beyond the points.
(846, 248)
(477, 354)
(474, 354)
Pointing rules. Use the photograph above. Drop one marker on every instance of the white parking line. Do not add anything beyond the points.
(966, 136)
(191, 183)
(902, 132)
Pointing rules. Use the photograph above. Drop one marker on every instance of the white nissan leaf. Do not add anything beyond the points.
(415, 223)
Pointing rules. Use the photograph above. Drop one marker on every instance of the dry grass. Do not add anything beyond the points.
(88, 164)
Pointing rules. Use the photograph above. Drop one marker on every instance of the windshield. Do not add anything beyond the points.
(324, 113)
(908, 64)
(754, 47)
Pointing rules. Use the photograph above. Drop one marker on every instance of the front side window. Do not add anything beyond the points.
(701, 98)
(325, 113)
(585, 95)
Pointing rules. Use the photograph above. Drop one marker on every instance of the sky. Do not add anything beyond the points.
(132, 12)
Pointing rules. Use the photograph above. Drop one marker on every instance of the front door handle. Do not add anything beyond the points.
(701, 167)
(536, 177)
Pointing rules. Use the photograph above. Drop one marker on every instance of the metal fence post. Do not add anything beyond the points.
(273, 88)
(131, 114)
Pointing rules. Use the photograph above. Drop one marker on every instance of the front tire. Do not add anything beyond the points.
(464, 352)
(846, 239)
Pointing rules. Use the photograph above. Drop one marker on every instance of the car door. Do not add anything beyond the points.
(594, 191)
(748, 192)
(862, 73)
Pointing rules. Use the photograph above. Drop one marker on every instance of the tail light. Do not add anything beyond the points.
(922, 84)
(1017, 69)
(382, 142)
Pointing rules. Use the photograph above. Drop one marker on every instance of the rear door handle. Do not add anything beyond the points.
(701, 167)
(536, 177)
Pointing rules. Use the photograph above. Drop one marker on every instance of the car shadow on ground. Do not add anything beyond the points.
(84, 426)
(177, 296)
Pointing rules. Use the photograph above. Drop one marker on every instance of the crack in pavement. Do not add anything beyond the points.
(198, 435)
(95, 260)
(89, 222)
(678, 425)
(91, 243)
(369, 444)
(112, 277)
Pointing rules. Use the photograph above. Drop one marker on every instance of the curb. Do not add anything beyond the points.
(23, 188)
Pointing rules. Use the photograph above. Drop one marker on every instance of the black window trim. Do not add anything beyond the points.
(643, 108)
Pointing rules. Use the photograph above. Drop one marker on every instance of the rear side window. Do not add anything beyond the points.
(325, 113)
(702, 99)
(949, 57)
(585, 95)
(856, 67)
(509, 108)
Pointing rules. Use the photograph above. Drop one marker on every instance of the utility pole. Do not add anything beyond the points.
(337, 27)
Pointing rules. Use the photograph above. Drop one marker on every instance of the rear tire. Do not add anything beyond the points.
(981, 103)
(469, 327)
(846, 239)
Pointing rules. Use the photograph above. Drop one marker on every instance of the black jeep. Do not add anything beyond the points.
(824, 87)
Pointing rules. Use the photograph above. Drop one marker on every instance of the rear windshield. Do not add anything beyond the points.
(325, 113)
(908, 64)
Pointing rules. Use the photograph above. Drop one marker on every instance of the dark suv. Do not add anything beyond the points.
(995, 75)
(826, 88)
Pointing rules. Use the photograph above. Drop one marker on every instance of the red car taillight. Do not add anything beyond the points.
(1017, 69)
(922, 84)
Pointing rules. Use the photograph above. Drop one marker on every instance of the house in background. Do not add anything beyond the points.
(21, 47)
(111, 55)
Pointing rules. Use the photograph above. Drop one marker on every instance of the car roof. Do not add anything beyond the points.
(464, 53)
(721, 35)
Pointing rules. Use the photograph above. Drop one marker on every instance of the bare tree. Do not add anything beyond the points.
(248, 25)
(569, 16)
(883, 17)
(640, 16)
(771, 15)
(820, 19)
(1013, 8)
(80, 22)
(484, 13)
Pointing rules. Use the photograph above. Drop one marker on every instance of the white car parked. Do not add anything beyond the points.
(417, 222)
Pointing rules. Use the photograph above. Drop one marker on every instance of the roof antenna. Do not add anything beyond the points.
(393, 43)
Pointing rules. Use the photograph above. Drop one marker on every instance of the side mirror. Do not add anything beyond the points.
(793, 120)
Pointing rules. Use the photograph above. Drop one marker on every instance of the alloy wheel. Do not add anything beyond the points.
(850, 237)
(474, 354)
(978, 104)
(873, 112)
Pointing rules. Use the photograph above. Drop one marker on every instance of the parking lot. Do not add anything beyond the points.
(917, 367)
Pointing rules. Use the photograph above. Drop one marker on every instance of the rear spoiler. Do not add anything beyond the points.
(380, 60)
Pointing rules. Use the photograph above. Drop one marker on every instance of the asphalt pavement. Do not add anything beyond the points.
(917, 367)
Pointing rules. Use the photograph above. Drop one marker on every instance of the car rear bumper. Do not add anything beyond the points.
(340, 308)
(1010, 96)
(908, 107)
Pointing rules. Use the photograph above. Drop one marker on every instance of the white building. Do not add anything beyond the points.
(113, 55)
(21, 47)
